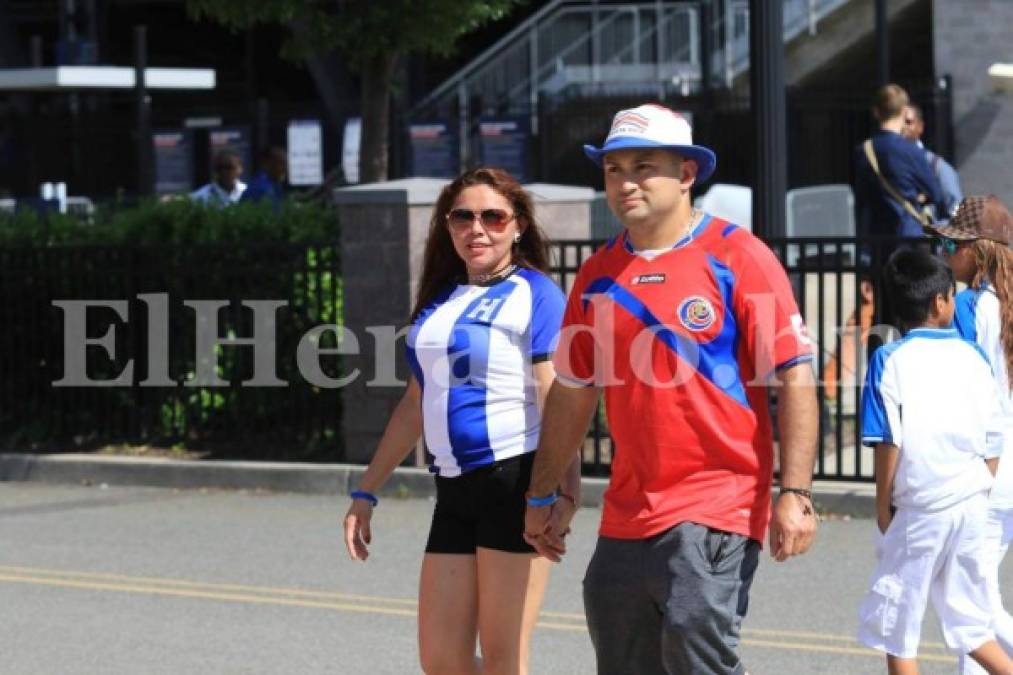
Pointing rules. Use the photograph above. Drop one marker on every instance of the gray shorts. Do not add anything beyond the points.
(671, 604)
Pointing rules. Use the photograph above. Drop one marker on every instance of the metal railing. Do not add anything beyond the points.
(836, 287)
(577, 43)
(567, 43)
(297, 421)
(732, 57)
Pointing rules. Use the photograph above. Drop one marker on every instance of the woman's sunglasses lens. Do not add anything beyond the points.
(461, 218)
(495, 218)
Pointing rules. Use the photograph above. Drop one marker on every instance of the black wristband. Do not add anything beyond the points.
(801, 492)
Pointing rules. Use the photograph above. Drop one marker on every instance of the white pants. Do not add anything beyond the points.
(992, 552)
(927, 555)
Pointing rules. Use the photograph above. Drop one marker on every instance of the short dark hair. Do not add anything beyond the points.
(912, 280)
(272, 152)
(226, 159)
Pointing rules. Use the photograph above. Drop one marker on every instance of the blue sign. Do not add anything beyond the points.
(434, 150)
(503, 142)
(173, 160)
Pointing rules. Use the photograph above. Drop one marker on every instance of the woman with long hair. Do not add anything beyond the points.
(484, 326)
(976, 244)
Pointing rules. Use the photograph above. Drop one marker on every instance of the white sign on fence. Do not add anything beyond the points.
(350, 149)
(305, 152)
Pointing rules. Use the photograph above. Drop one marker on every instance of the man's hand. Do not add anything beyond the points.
(792, 526)
(540, 528)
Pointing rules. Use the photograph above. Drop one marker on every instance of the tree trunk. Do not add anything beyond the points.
(376, 84)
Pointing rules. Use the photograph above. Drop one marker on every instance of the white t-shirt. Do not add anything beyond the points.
(977, 318)
(472, 350)
(213, 194)
(932, 395)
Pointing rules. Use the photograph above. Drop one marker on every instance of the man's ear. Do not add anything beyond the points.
(688, 173)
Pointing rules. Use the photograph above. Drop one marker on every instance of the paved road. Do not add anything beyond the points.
(146, 580)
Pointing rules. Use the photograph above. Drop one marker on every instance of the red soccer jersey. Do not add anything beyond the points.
(684, 346)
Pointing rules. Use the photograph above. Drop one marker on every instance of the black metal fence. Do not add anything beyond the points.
(837, 288)
(834, 280)
(293, 421)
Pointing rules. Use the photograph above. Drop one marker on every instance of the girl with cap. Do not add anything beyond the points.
(976, 244)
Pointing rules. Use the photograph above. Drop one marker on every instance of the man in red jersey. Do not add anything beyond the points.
(685, 321)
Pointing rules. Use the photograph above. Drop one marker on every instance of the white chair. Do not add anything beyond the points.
(82, 207)
(733, 203)
(8, 205)
(820, 211)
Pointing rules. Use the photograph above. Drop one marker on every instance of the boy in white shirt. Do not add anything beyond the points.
(930, 410)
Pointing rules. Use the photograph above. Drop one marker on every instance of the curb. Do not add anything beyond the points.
(838, 498)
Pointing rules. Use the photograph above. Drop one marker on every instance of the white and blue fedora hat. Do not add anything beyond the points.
(654, 126)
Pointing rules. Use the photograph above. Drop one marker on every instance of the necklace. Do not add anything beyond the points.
(491, 276)
(695, 215)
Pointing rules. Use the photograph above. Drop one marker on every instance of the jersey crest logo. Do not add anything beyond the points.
(696, 313)
(484, 309)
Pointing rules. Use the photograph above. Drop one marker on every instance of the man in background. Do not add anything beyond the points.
(893, 180)
(269, 182)
(225, 187)
(914, 127)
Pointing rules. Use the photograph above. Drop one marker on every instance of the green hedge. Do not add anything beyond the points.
(187, 252)
(178, 221)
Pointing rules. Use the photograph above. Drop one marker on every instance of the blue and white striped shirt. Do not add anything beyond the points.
(471, 351)
(978, 319)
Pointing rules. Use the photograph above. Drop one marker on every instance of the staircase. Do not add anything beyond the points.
(581, 47)
(570, 45)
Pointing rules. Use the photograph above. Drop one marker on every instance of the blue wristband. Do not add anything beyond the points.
(547, 500)
(368, 496)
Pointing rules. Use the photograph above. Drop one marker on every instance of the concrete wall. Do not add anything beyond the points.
(969, 36)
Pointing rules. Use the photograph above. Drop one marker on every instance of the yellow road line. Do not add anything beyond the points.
(822, 636)
(856, 651)
(181, 593)
(198, 584)
(267, 595)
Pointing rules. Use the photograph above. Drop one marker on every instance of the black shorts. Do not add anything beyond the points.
(483, 507)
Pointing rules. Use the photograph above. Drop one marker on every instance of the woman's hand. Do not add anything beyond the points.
(357, 531)
(546, 532)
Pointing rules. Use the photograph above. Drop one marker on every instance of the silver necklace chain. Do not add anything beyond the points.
(695, 216)
(485, 278)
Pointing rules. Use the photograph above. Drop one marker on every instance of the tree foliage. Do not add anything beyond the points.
(370, 35)
(361, 30)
